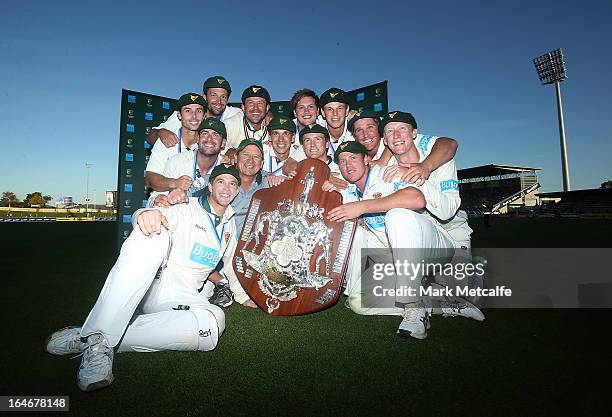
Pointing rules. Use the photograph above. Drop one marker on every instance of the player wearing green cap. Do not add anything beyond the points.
(191, 109)
(255, 105)
(216, 90)
(315, 143)
(405, 218)
(191, 167)
(282, 136)
(180, 246)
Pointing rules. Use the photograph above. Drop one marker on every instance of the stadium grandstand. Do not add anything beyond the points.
(497, 188)
(592, 201)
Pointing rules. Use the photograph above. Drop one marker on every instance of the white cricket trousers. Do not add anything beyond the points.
(175, 316)
(404, 229)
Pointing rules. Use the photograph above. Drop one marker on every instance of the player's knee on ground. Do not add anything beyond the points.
(403, 225)
(211, 324)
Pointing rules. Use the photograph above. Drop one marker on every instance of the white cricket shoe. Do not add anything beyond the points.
(459, 307)
(415, 322)
(96, 370)
(65, 341)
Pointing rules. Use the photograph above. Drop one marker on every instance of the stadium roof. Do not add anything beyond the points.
(492, 170)
(580, 194)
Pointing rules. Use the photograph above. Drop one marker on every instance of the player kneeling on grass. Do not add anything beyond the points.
(184, 243)
(394, 215)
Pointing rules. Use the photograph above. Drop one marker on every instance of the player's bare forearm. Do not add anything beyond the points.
(443, 151)
(409, 198)
(159, 183)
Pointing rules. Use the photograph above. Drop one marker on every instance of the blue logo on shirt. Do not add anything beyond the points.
(204, 255)
(424, 142)
(374, 221)
(397, 185)
(449, 185)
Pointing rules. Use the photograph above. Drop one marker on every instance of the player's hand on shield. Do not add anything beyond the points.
(290, 167)
(168, 138)
(347, 211)
(161, 201)
(151, 221)
(177, 196)
(275, 180)
(328, 186)
(183, 182)
(338, 182)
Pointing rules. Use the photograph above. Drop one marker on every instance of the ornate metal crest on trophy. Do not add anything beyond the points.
(290, 259)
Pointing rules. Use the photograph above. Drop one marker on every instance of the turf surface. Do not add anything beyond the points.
(518, 362)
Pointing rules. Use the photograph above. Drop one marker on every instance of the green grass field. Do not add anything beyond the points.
(518, 362)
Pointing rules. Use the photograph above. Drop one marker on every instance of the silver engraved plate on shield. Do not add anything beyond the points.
(295, 231)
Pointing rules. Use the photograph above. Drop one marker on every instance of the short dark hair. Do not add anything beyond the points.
(300, 94)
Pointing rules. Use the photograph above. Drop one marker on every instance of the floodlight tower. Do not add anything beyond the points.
(551, 70)
(87, 166)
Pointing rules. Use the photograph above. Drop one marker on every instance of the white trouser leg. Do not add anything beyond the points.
(176, 317)
(407, 229)
(198, 328)
(360, 284)
(126, 285)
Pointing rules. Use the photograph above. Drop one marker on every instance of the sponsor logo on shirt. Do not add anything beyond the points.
(424, 142)
(200, 227)
(449, 185)
(374, 221)
(204, 255)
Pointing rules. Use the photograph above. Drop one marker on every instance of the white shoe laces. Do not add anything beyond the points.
(97, 354)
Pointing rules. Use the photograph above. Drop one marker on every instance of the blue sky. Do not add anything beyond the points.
(464, 69)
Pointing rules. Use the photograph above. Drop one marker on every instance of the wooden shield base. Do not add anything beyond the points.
(272, 203)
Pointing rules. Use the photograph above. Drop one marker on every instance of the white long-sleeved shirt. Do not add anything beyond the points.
(197, 245)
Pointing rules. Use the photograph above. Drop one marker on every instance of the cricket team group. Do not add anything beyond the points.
(174, 275)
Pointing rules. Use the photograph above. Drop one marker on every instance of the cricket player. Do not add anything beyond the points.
(315, 144)
(364, 128)
(191, 108)
(401, 217)
(255, 105)
(162, 264)
(334, 108)
(282, 138)
(212, 136)
(305, 104)
(216, 90)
